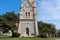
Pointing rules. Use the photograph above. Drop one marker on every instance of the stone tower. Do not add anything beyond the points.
(28, 21)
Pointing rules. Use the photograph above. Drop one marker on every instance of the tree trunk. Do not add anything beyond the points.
(12, 32)
(47, 34)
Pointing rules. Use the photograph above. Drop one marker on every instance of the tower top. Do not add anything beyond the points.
(28, 0)
(31, 2)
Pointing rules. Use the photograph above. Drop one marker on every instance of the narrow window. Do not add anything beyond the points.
(29, 14)
(26, 14)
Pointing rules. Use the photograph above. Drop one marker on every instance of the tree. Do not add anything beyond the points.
(47, 28)
(9, 20)
(58, 33)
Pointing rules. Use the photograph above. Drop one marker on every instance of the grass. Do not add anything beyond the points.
(27, 38)
(3, 35)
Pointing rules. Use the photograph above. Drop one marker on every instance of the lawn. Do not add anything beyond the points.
(27, 38)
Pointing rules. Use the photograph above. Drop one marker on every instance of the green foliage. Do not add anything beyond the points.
(8, 21)
(58, 33)
(27, 38)
(23, 36)
(43, 35)
(46, 27)
(15, 34)
(4, 36)
(32, 34)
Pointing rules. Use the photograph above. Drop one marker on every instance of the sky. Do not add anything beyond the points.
(47, 10)
(9, 5)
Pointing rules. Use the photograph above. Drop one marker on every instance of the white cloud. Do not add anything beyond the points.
(49, 9)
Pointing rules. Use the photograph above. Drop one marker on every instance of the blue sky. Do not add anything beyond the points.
(9, 5)
(47, 10)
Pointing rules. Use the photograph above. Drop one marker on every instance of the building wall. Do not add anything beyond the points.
(24, 25)
(28, 22)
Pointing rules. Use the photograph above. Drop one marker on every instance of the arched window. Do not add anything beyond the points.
(27, 31)
(27, 14)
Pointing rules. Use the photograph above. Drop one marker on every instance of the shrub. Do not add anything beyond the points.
(22, 36)
(43, 35)
(15, 34)
(32, 34)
